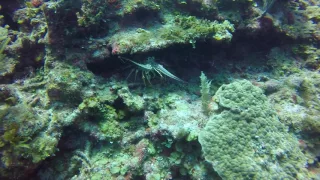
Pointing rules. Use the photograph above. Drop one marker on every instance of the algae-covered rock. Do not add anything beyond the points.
(247, 141)
(182, 119)
(4, 40)
(66, 83)
(133, 102)
(7, 64)
(177, 30)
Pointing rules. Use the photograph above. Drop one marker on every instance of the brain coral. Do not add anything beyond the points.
(246, 140)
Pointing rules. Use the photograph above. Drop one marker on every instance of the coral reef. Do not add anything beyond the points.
(69, 109)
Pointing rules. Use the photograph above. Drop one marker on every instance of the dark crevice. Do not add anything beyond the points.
(32, 56)
(8, 7)
(141, 18)
(108, 67)
(202, 56)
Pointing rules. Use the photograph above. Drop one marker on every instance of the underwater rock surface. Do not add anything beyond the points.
(80, 98)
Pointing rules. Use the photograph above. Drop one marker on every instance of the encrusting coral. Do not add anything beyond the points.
(246, 140)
